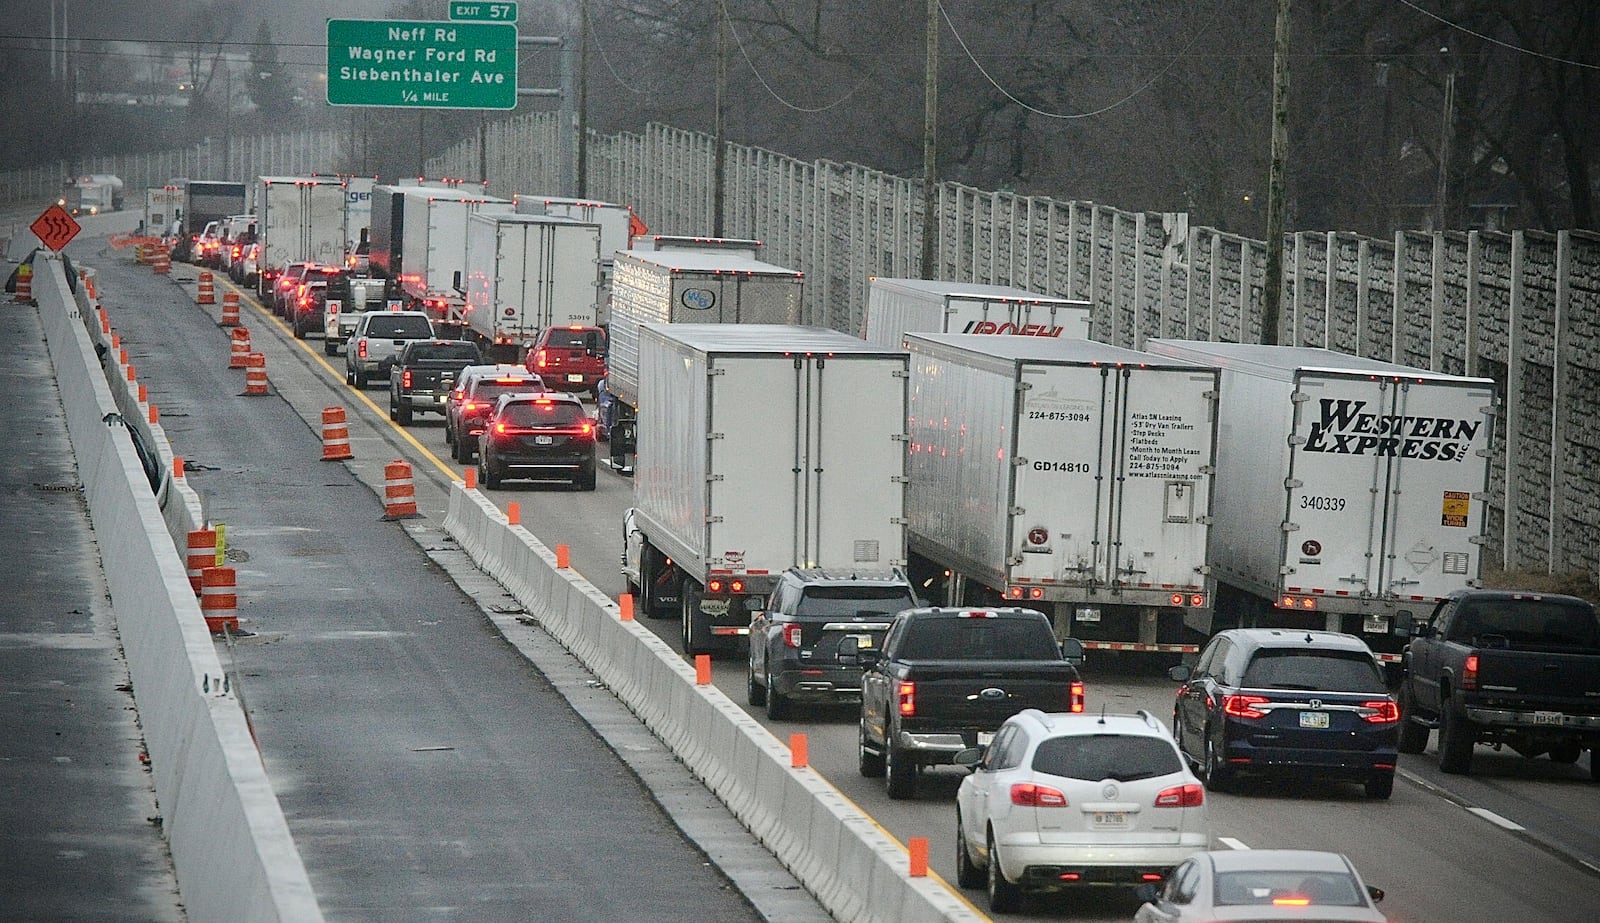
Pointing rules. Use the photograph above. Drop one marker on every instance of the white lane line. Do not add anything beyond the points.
(1496, 819)
(1231, 843)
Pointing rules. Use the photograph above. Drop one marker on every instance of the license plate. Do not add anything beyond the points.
(1107, 819)
(544, 440)
(1550, 717)
(438, 398)
(985, 737)
(574, 378)
(1313, 719)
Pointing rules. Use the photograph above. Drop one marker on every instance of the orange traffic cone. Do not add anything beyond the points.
(335, 435)
(399, 493)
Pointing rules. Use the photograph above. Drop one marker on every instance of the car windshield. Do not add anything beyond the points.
(463, 351)
(1331, 671)
(399, 327)
(1124, 757)
(850, 601)
(533, 414)
(490, 389)
(575, 339)
(1526, 623)
(979, 639)
(1289, 888)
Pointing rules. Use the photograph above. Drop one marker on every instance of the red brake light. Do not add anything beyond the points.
(1075, 697)
(1383, 712)
(1033, 795)
(405, 379)
(735, 585)
(500, 428)
(976, 614)
(791, 634)
(714, 585)
(1244, 706)
(361, 348)
(469, 405)
(906, 697)
(538, 359)
(1190, 795)
(1469, 673)
(586, 428)
(1291, 902)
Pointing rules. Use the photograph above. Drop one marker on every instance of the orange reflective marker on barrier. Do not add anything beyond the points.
(122, 356)
(919, 856)
(625, 603)
(177, 467)
(513, 514)
(470, 478)
(702, 669)
(563, 557)
(799, 758)
(130, 373)
(116, 342)
(154, 415)
(144, 394)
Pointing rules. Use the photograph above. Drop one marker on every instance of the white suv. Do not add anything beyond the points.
(1064, 800)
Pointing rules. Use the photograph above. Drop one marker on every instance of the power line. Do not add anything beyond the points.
(744, 53)
(1494, 41)
(1077, 115)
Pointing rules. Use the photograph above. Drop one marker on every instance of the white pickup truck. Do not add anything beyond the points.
(378, 340)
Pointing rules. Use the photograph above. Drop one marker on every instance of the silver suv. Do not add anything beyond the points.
(378, 340)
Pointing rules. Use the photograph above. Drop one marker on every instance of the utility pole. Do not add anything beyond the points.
(1447, 122)
(583, 102)
(1272, 296)
(719, 163)
(930, 145)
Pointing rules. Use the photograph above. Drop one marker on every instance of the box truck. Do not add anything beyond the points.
(683, 285)
(418, 243)
(525, 273)
(896, 307)
(298, 219)
(92, 194)
(205, 201)
(161, 207)
(761, 447)
(1350, 491)
(1069, 476)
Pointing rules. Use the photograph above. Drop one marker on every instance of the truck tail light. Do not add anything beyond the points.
(1075, 697)
(539, 359)
(405, 379)
(1469, 673)
(906, 699)
(1382, 711)
(791, 634)
(1244, 706)
(1189, 795)
(361, 348)
(1034, 795)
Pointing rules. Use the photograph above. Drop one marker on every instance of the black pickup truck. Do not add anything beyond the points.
(947, 678)
(421, 378)
(1512, 669)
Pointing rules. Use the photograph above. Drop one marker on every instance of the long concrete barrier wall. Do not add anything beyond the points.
(854, 868)
(231, 848)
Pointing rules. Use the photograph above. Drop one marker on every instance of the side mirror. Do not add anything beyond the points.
(869, 658)
(1072, 651)
(1375, 893)
(1425, 631)
(969, 757)
(1181, 672)
(1147, 892)
(1404, 624)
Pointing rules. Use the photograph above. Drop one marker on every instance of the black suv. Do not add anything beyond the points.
(806, 645)
(541, 436)
(1288, 702)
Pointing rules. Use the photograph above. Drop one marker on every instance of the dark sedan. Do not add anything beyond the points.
(1279, 702)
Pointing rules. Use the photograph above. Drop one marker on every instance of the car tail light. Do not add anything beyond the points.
(1034, 795)
(539, 359)
(1188, 795)
(361, 348)
(906, 698)
(791, 635)
(1075, 697)
(1382, 712)
(978, 614)
(1291, 901)
(405, 379)
(1469, 673)
(468, 407)
(587, 429)
(1244, 706)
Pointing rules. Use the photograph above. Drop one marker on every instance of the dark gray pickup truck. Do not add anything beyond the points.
(421, 378)
(946, 679)
(1512, 669)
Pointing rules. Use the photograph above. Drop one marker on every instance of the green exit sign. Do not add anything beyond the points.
(483, 12)
(422, 65)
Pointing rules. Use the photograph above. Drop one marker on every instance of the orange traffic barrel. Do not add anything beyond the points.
(162, 263)
(230, 309)
(399, 493)
(202, 554)
(206, 293)
(335, 435)
(24, 284)
(255, 375)
(219, 599)
(240, 357)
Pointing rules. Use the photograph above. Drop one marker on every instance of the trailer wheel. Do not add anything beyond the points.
(696, 632)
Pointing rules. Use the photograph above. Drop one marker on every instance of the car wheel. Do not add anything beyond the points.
(1177, 738)
(1566, 754)
(449, 434)
(403, 414)
(1455, 741)
(779, 706)
(899, 773)
(1594, 764)
(330, 347)
(360, 380)
(349, 376)
(1004, 897)
(870, 764)
(754, 692)
(967, 874)
(1413, 734)
(1380, 786)
(394, 410)
(1217, 774)
(487, 473)
(299, 330)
